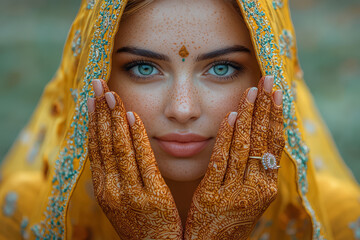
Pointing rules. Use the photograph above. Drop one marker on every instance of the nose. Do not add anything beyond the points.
(183, 103)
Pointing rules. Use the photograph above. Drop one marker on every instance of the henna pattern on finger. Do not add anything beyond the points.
(260, 127)
(276, 141)
(98, 175)
(123, 147)
(116, 155)
(231, 210)
(240, 146)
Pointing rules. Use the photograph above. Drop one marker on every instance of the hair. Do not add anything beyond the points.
(133, 6)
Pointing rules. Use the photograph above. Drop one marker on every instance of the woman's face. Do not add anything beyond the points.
(175, 93)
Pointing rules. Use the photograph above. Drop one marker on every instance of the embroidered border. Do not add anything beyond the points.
(53, 227)
(273, 65)
(277, 4)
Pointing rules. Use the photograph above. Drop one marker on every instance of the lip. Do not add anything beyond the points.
(182, 145)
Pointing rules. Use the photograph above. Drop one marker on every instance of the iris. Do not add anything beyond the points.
(145, 69)
(221, 69)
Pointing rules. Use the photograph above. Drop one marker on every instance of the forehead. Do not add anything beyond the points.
(173, 23)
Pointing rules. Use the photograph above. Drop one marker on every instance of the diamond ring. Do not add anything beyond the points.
(268, 160)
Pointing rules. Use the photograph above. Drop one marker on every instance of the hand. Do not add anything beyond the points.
(236, 189)
(127, 182)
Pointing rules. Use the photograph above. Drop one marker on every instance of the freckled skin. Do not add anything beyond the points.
(183, 98)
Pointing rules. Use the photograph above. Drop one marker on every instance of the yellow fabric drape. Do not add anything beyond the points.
(46, 189)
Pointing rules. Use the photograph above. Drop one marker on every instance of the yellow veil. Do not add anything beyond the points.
(46, 189)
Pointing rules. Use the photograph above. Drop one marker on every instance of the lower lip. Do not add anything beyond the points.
(178, 149)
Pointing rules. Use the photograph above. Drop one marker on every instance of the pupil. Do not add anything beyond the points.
(221, 69)
(145, 69)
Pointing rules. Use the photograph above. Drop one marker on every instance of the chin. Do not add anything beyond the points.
(183, 169)
(184, 173)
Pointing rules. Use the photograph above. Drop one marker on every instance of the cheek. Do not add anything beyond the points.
(218, 104)
(145, 103)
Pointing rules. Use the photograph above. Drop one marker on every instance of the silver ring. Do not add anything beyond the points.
(268, 161)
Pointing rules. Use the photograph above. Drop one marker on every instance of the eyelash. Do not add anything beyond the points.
(239, 69)
(135, 63)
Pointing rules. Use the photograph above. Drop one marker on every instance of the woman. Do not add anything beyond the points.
(163, 62)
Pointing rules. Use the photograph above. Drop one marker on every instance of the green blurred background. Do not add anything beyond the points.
(33, 32)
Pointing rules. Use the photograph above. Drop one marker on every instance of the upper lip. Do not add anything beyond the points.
(176, 137)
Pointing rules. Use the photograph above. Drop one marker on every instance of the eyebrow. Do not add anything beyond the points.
(159, 56)
(223, 51)
(143, 53)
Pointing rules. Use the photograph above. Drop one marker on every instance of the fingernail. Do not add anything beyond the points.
(110, 99)
(278, 97)
(252, 94)
(91, 104)
(232, 118)
(131, 118)
(98, 89)
(268, 83)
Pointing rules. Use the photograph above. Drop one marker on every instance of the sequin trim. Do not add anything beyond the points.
(23, 225)
(355, 226)
(74, 94)
(277, 4)
(76, 43)
(75, 150)
(90, 4)
(10, 204)
(273, 65)
(286, 43)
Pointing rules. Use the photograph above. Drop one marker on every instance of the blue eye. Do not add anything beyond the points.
(144, 70)
(221, 70)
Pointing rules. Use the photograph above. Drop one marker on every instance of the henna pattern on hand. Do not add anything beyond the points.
(127, 182)
(236, 190)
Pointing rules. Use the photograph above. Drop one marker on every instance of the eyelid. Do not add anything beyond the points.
(127, 68)
(134, 63)
(238, 67)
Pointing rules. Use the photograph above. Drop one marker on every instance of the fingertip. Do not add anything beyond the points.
(91, 104)
(268, 83)
(278, 97)
(232, 118)
(110, 99)
(252, 94)
(98, 89)
(131, 118)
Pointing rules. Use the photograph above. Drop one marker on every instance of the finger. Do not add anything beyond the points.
(145, 158)
(122, 142)
(240, 145)
(105, 136)
(276, 141)
(100, 87)
(259, 127)
(97, 171)
(215, 173)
